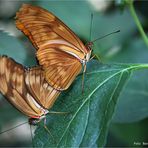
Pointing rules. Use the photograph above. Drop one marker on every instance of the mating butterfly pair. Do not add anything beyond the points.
(60, 53)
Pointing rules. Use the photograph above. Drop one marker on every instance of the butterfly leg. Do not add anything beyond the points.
(48, 131)
(92, 57)
(54, 112)
(83, 77)
(96, 56)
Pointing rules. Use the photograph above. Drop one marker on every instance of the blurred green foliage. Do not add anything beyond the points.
(125, 47)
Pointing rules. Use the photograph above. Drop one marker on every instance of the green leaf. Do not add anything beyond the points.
(133, 102)
(90, 113)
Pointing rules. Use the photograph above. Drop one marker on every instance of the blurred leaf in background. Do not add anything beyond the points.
(125, 47)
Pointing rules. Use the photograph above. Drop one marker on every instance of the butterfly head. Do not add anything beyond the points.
(36, 119)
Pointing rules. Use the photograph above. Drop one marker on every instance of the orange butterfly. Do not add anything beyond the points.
(59, 51)
(26, 89)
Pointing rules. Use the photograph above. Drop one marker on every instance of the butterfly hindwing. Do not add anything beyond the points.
(59, 74)
(39, 88)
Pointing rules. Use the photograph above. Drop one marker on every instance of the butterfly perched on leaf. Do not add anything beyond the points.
(26, 89)
(59, 51)
(61, 55)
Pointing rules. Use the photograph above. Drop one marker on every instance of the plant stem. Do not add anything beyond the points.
(132, 10)
(138, 67)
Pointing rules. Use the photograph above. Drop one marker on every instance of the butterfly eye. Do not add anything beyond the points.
(33, 121)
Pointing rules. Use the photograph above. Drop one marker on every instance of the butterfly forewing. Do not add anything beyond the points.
(53, 40)
(25, 89)
(42, 26)
(12, 85)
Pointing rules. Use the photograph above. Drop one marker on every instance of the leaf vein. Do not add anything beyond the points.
(107, 106)
(93, 91)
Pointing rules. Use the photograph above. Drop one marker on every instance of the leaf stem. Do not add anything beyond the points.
(139, 66)
(133, 13)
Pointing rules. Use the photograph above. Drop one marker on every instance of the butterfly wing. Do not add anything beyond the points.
(39, 88)
(59, 74)
(57, 45)
(12, 85)
(42, 26)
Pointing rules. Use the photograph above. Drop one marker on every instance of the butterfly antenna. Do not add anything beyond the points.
(14, 127)
(55, 112)
(31, 135)
(91, 23)
(83, 82)
(105, 36)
